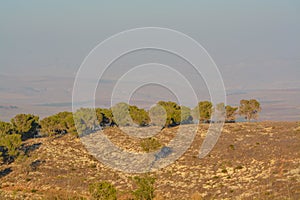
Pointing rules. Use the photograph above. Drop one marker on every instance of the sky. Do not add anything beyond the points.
(255, 44)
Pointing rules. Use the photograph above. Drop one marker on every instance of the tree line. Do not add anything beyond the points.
(164, 114)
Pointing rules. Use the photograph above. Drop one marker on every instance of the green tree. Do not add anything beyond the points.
(203, 111)
(220, 111)
(145, 188)
(104, 116)
(99, 115)
(103, 191)
(172, 112)
(158, 115)
(249, 109)
(26, 125)
(231, 113)
(5, 128)
(10, 144)
(59, 123)
(121, 115)
(85, 120)
(186, 116)
(50, 125)
(9, 141)
(139, 116)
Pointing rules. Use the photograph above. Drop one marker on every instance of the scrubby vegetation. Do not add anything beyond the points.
(150, 144)
(22, 127)
(247, 155)
(58, 124)
(103, 191)
(144, 188)
(86, 120)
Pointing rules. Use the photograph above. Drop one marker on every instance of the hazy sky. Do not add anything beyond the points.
(254, 43)
(42, 37)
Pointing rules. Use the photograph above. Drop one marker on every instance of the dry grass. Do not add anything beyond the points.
(250, 161)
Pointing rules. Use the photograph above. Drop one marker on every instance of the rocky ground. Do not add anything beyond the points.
(250, 161)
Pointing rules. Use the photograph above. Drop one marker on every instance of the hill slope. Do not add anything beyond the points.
(250, 161)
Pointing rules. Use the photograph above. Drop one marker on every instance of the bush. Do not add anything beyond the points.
(150, 144)
(145, 188)
(103, 191)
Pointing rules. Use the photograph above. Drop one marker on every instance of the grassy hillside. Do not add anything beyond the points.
(250, 161)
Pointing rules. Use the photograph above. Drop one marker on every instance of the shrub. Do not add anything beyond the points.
(103, 191)
(150, 144)
(145, 188)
